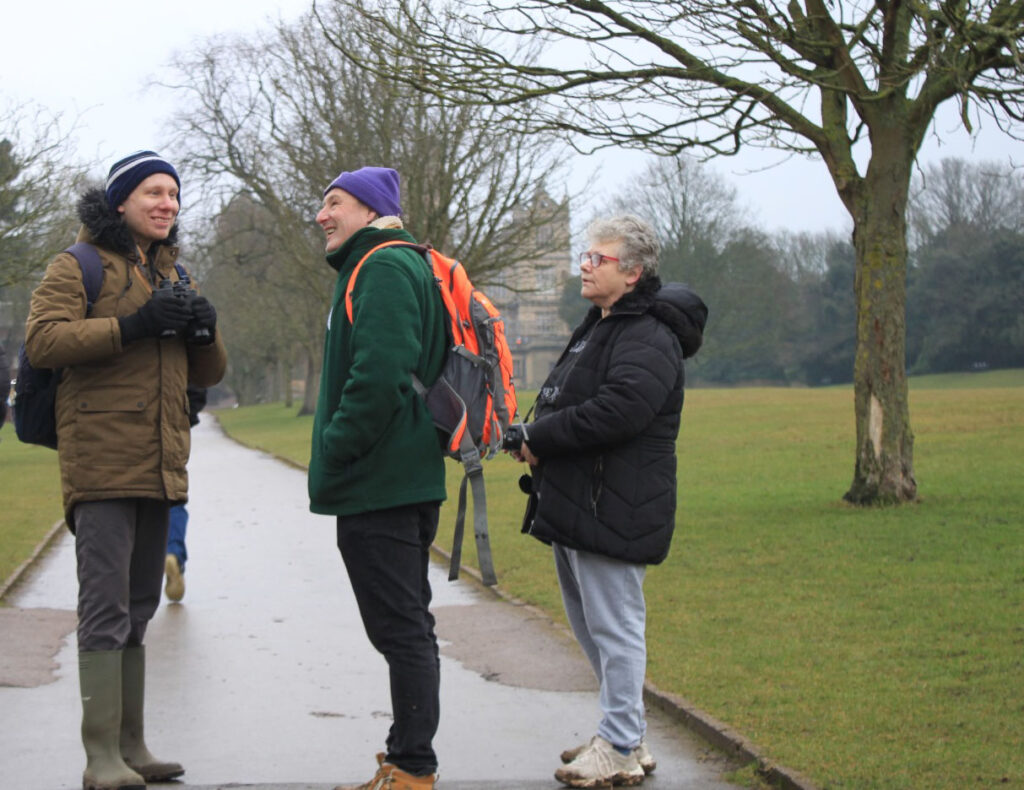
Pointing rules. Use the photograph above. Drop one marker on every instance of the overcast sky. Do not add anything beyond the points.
(93, 64)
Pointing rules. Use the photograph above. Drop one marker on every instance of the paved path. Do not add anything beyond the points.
(263, 676)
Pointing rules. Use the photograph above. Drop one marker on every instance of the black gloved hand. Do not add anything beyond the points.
(165, 314)
(203, 323)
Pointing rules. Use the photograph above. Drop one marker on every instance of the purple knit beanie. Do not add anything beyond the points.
(377, 187)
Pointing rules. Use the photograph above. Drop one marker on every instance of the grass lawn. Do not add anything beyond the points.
(864, 648)
(30, 493)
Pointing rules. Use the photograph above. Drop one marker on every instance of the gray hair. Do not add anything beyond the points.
(640, 245)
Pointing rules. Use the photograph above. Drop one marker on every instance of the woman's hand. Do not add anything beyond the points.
(524, 454)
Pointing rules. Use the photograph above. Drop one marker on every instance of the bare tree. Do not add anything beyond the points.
(39, 178)
(954, 193)
(259, 308)
(275, 118)
(689, 205)
(831, 78)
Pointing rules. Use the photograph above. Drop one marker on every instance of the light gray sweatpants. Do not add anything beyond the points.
(604, 601)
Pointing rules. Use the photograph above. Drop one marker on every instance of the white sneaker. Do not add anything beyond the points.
(642, 753)
(571, 754)
(175, 587)
(645, 758)
(601, 765)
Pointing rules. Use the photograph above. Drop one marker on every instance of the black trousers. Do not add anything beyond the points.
(120, 545)
(387, 554)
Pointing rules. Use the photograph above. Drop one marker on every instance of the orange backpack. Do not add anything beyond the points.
(473, 401)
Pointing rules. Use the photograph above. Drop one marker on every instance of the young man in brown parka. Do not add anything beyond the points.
(123, 440)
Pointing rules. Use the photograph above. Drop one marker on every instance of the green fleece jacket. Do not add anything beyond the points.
(374, 443)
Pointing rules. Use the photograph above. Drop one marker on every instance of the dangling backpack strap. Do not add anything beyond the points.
(474, 480)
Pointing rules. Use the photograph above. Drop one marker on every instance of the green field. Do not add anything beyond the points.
(30, 497)
(863, 648)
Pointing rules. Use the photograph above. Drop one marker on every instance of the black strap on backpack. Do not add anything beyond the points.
(474, 478)
(92, 271)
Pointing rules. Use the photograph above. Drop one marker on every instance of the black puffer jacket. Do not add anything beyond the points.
(606, 427)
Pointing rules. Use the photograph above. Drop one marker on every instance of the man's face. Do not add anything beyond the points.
(151, 208)
(341, 216)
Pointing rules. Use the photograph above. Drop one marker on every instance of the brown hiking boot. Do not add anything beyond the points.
(391, 777)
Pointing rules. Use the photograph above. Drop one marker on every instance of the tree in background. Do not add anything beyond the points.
(956, 193)
(824, 273)
(966, 286)
(273, 119)
(260, 309)
(37, 173)
(708, 244)
(813, 77)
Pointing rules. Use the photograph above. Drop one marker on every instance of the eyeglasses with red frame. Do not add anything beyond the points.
(595, 259)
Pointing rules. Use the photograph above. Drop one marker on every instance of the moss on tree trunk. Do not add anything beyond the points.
(884, 472)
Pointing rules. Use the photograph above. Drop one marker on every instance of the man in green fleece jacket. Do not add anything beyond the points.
(376, 462)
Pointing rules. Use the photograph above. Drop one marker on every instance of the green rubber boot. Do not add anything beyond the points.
(99, 677)
(133, 744)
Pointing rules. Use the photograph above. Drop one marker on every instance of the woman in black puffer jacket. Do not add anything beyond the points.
(602, 451)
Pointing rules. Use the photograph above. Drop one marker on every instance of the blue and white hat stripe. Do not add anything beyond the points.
(128, 165)
(129, 172)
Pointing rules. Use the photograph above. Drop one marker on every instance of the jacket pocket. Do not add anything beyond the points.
(112, 425)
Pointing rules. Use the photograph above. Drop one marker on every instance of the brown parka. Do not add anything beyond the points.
(122, 411)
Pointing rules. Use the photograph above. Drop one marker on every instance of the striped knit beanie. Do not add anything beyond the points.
(128, 173)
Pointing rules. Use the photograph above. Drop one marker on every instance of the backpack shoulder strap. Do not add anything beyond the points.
(92, 271)
(355, 271)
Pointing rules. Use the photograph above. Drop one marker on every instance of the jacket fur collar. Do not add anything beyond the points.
(107, 228)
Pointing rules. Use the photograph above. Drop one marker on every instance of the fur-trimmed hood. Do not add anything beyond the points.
(107, 228)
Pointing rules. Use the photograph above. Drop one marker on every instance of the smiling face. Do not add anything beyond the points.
(151, 208)
(341, 216)
(605, 284)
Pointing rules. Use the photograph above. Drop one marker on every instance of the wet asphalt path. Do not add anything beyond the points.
(263, 677)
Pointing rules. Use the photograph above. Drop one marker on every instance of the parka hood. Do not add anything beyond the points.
(107, 228)
(674, 304)
(684, 313)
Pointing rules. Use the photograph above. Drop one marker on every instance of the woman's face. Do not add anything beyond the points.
(605, 283)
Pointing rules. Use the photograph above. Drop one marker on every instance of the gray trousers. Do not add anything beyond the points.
(120, 545)
(604, 601)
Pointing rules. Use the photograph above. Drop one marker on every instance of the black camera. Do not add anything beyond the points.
(513, 438)
(193, 332)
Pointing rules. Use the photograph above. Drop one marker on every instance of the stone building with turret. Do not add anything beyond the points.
(528, 297)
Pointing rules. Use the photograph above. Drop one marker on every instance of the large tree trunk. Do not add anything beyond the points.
(885, 444)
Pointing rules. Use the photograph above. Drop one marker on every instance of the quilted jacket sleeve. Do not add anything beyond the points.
(612, 398)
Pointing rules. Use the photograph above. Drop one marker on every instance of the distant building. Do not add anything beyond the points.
(530, 297)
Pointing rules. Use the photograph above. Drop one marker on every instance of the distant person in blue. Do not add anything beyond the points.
(177, 554)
